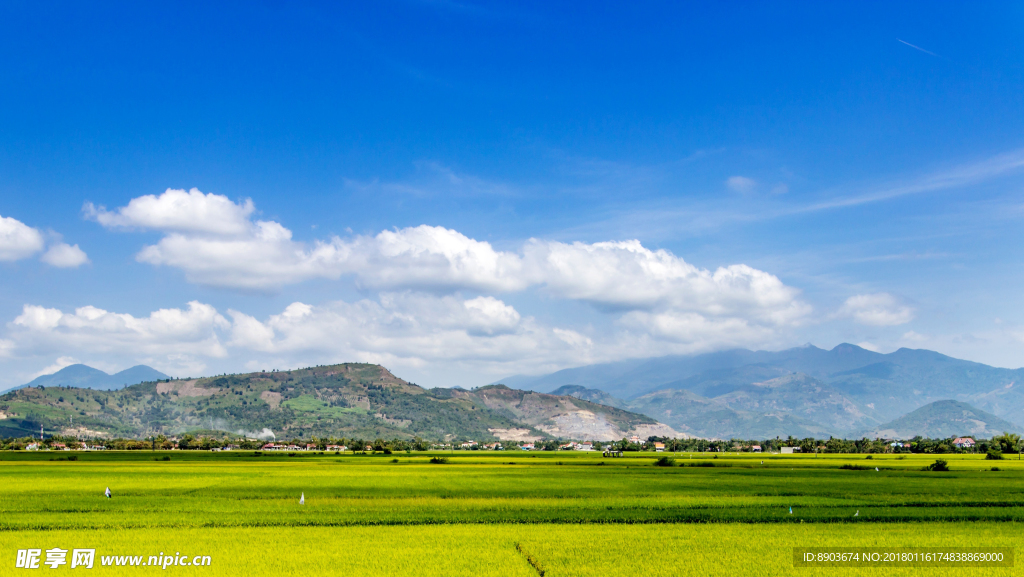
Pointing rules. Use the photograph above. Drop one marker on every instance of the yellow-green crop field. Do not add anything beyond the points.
(499, 513)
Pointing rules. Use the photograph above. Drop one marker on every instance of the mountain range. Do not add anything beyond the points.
(347, 400)
(86, 377)
(803, 392)
(847, 391)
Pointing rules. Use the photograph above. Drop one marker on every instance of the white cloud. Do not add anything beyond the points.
(878, 309)
(404, 330)
(181, 211)
(665, 302)
(869, 346)
(411, 329)
(621, 275)
(741, 184)
(18, 240)
(63, 255)
(430, 257)
(626, 275)
(59, 364)
(265, 259)
(165, 332)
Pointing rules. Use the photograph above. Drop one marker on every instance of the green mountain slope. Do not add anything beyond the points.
(353, 400)
(943, 419)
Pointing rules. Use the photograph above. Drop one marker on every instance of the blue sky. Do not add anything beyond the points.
(463, 191)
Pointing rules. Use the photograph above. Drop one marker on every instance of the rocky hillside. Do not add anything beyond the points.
(353, 400)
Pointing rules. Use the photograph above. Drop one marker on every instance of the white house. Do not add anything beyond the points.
(963, 442)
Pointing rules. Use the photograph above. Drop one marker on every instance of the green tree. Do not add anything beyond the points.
(1008, 442)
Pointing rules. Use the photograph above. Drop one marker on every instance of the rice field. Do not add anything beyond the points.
(501, 513)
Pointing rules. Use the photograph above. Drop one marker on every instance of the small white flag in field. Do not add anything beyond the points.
(107, 492)
(302, 499)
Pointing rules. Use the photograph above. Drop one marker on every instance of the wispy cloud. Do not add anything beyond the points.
(917, 47)
(960, 176)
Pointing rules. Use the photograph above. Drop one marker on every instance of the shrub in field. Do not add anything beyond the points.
(994, 454)
(394, 460)
(664, 462)
(702, 464)
(167, 458)
(849, 467)
(938, 465)
(995, 468)
(439, 460)
(869, 457)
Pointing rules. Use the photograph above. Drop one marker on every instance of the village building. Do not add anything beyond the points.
(963, 442)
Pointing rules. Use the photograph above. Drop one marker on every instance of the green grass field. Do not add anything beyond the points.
(493, 513)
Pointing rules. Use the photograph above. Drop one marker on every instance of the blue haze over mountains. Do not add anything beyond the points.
(86, 377)
(806, 391)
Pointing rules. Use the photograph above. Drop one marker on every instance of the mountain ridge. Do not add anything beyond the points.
(946, 418)
(868, 388)
(84, 376)
(350, 399)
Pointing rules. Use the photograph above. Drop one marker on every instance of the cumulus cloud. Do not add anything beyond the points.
(164, 333)
(421, 272)
(408, 328)
(878, 309)
(403, 329)
(18, 240)
(63, 255)
(741, 184)
(622, 275)
(626, 275)
(178, 210)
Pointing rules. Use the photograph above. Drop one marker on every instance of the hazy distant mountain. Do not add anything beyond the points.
(945, 419)
(86, 377)
(630, 379)
(854, 389)
(592, 395)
